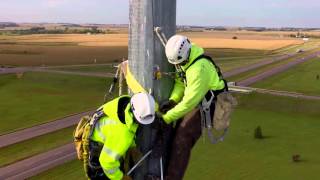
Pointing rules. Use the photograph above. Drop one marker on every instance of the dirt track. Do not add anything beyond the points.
(34, 165)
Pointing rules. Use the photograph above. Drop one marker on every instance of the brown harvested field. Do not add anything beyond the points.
(57, 49)
(246, 40)
(39, 55)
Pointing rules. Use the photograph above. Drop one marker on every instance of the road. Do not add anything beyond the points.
(276, 70)
(28, 133)
(273, 92)
(36, 164)
(256, 65)
(39, 163)
(93, 74)
(39, 69)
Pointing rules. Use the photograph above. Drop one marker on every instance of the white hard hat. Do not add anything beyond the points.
(177, 49)
(143, 108)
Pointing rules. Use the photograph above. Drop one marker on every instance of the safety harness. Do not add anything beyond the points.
(208, 101)
(88, 150)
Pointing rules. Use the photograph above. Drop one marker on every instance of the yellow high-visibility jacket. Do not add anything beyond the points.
(115, 136)
(201, 77)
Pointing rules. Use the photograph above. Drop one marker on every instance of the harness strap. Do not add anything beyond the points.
(205, 107)
(215, 140)
(96, 116)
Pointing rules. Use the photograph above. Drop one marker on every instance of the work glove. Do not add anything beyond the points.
(159, 123)
(167, 105)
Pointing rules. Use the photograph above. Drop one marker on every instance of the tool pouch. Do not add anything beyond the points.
(78, 136)
(224, 106)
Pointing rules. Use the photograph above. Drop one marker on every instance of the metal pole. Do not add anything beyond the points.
(146, 52)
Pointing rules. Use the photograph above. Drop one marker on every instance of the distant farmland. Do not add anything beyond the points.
(39, 50)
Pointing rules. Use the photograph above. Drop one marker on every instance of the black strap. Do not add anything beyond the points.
(216, 67)
(122, 105)
(211, 60)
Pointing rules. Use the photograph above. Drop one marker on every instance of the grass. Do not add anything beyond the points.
(290, 126)
(41, 97)
(227, 59)
(38, 50)
(91, 68)
(264, 68)
(301, 78)
(294, 48)
(69, 170)
(22, 150)
(40, 54)
(228, 52)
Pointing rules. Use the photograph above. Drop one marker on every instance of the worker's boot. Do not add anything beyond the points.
(187, 133)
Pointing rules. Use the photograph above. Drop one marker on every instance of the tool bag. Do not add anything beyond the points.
(81, 131)
(223, 103)
(224, 106)
(88, 151)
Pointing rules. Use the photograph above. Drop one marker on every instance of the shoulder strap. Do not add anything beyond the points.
(215, 65)
(211, 60)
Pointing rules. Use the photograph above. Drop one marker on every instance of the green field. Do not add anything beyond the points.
(69, 170)
(294, 48)
(56, 53)
(22, 150)
(256, 71)
(290, 126)
(41, 97)
(227, 59)
(91, 68)
(301, 78)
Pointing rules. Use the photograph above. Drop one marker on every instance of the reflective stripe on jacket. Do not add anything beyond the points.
(201, 77)
(115, 136)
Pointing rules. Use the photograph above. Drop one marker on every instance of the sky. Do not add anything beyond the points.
(258, 13)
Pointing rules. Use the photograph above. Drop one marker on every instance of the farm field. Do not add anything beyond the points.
(290, 126)
(38, 97)
(47, 50)
(303, 78)
(227, 59)
(40, 54)
(294, 48)
(257, 40)
(41, 97)
(18, 151)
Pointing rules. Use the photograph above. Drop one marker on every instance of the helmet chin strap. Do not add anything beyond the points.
(178, 66)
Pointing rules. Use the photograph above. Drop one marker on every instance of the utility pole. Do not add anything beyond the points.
(145, 54)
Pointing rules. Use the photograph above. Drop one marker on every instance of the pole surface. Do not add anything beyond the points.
(146, 52)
